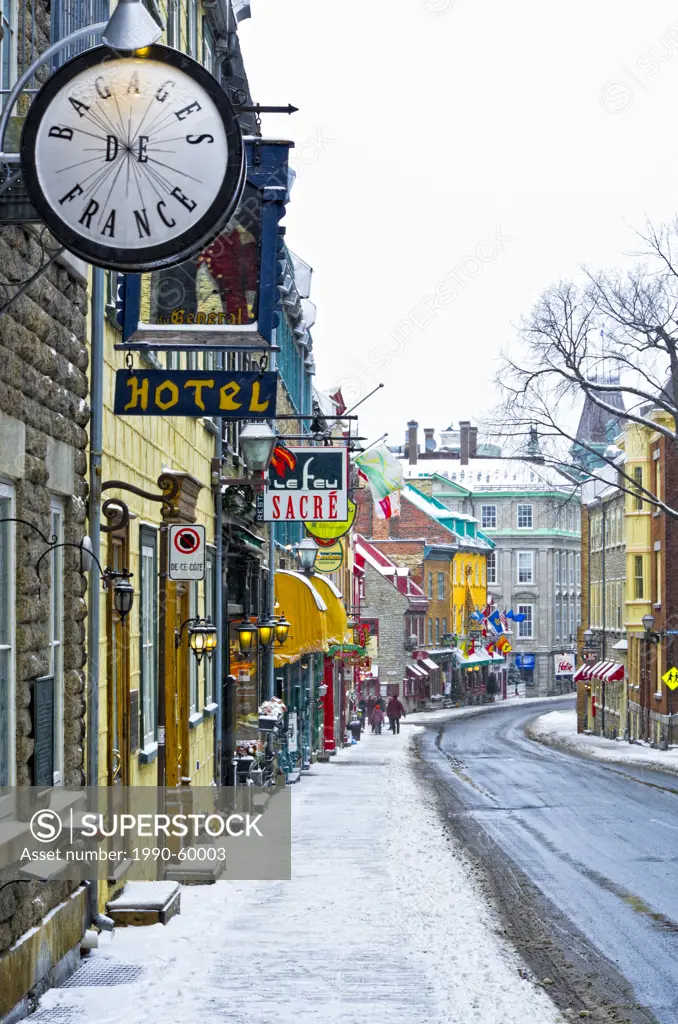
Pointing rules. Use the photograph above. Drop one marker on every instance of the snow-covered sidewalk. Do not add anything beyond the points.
(559, 729)
(383, 921)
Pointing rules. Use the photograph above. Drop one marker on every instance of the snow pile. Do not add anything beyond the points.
(382, 921)
(559, 729)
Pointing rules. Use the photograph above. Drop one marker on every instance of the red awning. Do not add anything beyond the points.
(615, 673)
(582, 673)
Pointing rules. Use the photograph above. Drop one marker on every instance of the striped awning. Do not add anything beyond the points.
(605, 671)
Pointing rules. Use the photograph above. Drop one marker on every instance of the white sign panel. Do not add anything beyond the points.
(307, 485)
(187, 553)
(292, 741)
(564, 664)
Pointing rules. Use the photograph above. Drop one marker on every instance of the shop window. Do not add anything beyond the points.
(524, 517)
(7, 604)
(148, 605)
(526, 627)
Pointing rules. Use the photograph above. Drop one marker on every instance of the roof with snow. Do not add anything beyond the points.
(596, 425)
(399, 576)
(493, 475)
(463, 528)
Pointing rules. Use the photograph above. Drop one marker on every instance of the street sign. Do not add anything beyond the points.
(187, 553)
(671, 678)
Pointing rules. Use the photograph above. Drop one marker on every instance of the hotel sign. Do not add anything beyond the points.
(229, 395)
(309, 484)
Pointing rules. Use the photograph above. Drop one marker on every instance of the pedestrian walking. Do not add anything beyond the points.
(377, 719)
(355, 726)
(395, 712)
(362, 713)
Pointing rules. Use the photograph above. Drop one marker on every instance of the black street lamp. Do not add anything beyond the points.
(282, 628)
(202, 637)
(123, 594)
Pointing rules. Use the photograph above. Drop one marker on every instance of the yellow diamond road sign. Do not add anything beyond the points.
(671, 678)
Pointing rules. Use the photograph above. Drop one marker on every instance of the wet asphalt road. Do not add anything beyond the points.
(600, 841)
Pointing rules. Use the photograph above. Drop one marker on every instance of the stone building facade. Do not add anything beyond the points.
(43, 440)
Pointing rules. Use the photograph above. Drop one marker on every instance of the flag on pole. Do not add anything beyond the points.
(382, 469)
(389, 506)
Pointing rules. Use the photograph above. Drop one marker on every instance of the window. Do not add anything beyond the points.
(148, 614)
(557, 567)
(578, 569)
(572, 619)
(430, 586)
(492, 567)
(571, 560)
(557, 618)
(658, 573)
(192, 28)
(488, 517)
(454, 619)
(454, 571)
(525, 627)
(192, 663)
(7, 600)
(638, 576)
(441, 586)
(524, 517)
(444, 626)
(578, 612)
(430, 631)
(207, 47)
(8, 45)
(526, 567)
(174, 24)
(210, 613)
(437, 631)
(56, 630)
(477, 573)
(638, 478)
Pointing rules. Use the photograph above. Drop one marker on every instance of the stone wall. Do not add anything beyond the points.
(384, 602)
(43, 440)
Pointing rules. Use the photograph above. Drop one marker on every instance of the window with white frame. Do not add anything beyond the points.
(454, 618)
(524, 517)
(572, 618)
(8, 45)
(210, 613)
(578, 570)
(488, 517)
(441, 586)
(525, 627)
(492, 567)
(56, 634)
(526, 567)
(557, 618)
(192, 662)
(454, 570)
(578, 612)
(477, 574)
(557, 567)
(7, 603)
(571, 560)
(148, 628)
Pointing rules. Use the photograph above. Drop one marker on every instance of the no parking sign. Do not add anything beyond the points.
(187, 553)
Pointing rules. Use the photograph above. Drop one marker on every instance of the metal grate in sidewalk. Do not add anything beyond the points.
(101, 973)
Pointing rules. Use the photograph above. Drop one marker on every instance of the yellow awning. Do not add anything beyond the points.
(305, 610)
(337, 627)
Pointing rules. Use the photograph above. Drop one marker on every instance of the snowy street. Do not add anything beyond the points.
(385, 920)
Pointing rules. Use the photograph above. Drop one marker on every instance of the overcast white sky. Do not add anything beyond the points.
(428, 126)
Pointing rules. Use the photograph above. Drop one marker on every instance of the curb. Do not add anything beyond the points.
(547, 741)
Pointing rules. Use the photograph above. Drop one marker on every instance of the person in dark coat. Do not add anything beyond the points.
(395, 712)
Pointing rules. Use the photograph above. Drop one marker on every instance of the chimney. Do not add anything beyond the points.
(473, 441)
(465, 441)
(429, 442)
(412, 446)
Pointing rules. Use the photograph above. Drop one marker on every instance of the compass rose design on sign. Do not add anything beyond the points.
(133, 162)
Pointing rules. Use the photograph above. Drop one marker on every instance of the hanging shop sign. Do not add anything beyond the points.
(525, 661)
(230, 395)
(325, 534)
(329, 559)
(187, 553)
(564, 664)
(307, 484)
(227, 293)
(133, 162)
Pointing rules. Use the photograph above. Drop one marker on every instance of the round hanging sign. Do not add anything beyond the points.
(134, 162)
(329, 559)
(327, 532)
